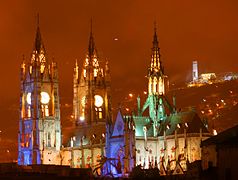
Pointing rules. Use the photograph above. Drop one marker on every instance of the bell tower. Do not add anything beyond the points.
(156, 101)
(39, 137)
(92, 85)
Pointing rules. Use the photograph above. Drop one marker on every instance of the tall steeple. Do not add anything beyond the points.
(155, 41)
(155, 71)
(91, 45)
(38, 45)
(39, 124)
(92, 89)
(39, 52)
(156, 101)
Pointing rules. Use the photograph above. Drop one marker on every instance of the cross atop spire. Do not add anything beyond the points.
(91, 46)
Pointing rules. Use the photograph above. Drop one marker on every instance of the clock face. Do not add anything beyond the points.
(45, 98)
(98, 101)
(28, 98)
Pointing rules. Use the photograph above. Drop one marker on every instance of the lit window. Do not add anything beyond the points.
(84, 73)
(83, 101)
(42, 68)
(100, 115)
(82, 117)
(95, 72)
(30, 69)
(29, 111)
(45, 110)
(86, 62)
(42, 58)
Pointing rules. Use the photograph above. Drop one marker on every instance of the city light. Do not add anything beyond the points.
(81, 118)
(186, 124)
(214, 132)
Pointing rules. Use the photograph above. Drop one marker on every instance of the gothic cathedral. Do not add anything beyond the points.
(39, 126)
(154, 136)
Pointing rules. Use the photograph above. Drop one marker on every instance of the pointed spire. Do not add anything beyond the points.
(91, 47)
(23, 61)
(38, 46)
(155, 41)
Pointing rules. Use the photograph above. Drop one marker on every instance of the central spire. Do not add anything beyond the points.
(39, 53)
(91, 46)
(155, 41)
(155, 71)
(38, 46)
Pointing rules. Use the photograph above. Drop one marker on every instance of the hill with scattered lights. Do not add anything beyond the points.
(217, 104)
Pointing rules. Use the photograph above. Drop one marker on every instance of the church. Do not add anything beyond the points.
(156, 135)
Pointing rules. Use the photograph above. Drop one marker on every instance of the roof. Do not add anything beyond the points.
(228, 136)
(178, 121)
(92, 133)
(181, 120)
(119, 126)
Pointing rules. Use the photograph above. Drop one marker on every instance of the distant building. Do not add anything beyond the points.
(220, 151)
(195, 71)
(208, 78)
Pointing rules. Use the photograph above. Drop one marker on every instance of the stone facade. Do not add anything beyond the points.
(156, 135)
(39, 138)
(160, 136)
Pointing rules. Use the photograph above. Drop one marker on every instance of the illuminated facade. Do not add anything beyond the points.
(195, 71)
(39, 138)
(92, 100)
(156, 75)
(85, 145)
(157, 135)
